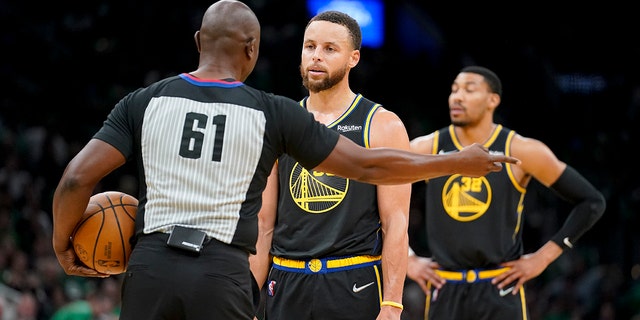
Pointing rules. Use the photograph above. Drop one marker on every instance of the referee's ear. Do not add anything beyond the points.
(251, 48)
(196, 37)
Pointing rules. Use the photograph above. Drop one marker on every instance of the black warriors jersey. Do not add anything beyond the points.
(323, 215)
(474, 222)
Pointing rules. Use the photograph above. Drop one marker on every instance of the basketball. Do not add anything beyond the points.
(101, 238)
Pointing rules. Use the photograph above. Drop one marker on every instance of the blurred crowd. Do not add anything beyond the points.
(66, 66)
(32, 284)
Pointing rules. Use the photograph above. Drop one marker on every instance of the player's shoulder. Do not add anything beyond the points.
(387, 129)
(520, 140)
(524, 147)
(423, 143)
(381, 113)
(386, 120)
(386, 114)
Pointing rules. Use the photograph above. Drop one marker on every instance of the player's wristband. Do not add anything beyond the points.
(392, 304)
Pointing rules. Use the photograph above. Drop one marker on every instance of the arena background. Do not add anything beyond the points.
(569, 76)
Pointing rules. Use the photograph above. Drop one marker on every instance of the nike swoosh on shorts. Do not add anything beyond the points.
(358, 289)
(504, 292)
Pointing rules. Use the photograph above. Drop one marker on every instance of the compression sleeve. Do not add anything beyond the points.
(589, 205)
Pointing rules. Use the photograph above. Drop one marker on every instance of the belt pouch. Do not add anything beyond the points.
(186, 239)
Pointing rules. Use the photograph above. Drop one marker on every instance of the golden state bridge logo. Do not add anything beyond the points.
(466, 198)
(316, 192)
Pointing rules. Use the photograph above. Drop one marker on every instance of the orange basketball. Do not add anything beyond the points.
(101, 238)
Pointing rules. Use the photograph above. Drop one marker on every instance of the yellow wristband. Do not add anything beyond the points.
(392, 304)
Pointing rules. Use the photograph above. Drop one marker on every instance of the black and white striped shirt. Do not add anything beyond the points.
(204, 150)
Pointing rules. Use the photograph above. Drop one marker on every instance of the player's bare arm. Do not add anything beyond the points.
(261, 261)
(539, 162)
(393, 203)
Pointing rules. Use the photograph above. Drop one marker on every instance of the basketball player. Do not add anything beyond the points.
(204, 144)
(338, 244)
(474, 225)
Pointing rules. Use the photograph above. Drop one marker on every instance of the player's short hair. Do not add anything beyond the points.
(342, 19)
(490, 77)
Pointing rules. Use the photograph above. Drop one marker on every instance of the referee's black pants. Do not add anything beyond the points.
(168, 283)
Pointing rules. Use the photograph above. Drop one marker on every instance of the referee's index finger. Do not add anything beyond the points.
(507, 159)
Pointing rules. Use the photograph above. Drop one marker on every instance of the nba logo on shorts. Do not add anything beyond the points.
(271, 289)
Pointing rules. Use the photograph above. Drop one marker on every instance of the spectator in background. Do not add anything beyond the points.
(96, 305)
(28, 307)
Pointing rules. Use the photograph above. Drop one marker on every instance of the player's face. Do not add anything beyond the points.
(327, 56)
(469, 100)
